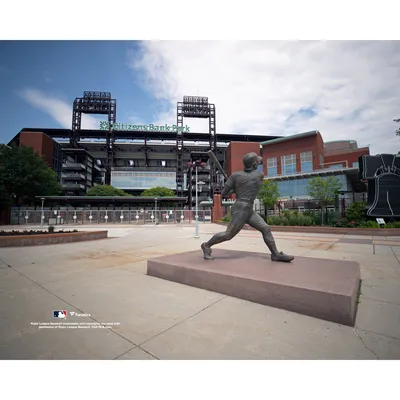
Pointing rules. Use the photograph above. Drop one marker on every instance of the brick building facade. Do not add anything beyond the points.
(235, 152)
(293, 160)
(47, 147)
(40, 143)
(307, 152)
(293, 154)
(345, 153)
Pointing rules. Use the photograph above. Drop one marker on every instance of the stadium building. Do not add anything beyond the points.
(138, 157)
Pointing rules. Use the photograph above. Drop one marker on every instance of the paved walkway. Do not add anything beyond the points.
(121, 313)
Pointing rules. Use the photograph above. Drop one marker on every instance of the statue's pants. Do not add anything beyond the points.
(243, 213)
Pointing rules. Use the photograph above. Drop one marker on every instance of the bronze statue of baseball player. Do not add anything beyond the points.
(246, 185)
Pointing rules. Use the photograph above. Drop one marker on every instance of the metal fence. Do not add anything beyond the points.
(312, 206)
(87, 216)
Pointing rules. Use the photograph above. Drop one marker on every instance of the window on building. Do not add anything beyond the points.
(272, 167)
(297, 188)
(288, 164)
(321, 161)
(335, 166)
(306, 161)
(140, 180)
(355, 164)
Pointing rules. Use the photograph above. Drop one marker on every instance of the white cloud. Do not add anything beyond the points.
(58, 109)
(259, 87)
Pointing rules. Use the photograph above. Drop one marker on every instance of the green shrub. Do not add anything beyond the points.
(307, 220)
(332, 217)
(226, 218)
(340, 223)
(356, 211)
(345, 223)
(395, 224)
(369, 224)
(285, 221)
(315, 218)
(292, 220)
(275, 220)
(300, 220)
(51, 229)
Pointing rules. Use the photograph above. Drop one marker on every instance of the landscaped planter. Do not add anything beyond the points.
(32, 232)
(331, 230)
(50, 238)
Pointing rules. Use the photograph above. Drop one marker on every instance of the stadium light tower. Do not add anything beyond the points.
(193, 107)
(96, 103)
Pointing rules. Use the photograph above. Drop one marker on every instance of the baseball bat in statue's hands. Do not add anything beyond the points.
(214, 159)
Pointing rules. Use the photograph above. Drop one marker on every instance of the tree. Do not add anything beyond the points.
(106, 190)
(324, 190)
(158, 192)
(397, 130)
(24, 175)
(269, 193)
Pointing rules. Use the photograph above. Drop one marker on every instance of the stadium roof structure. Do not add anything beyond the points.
(112, 199)
(148, 135)
(291, 137)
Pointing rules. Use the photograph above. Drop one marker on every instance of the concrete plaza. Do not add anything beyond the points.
(134, 316)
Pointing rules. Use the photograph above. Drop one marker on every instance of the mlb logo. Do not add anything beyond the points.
(60, 314)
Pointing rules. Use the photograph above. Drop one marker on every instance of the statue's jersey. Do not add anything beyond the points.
(245, 185)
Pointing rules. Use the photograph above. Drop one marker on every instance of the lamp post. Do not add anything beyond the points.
(196, 165)
(155, 212)
(196, 229)
(42, 216)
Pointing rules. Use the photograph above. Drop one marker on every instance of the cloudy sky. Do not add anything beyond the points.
(346, 90)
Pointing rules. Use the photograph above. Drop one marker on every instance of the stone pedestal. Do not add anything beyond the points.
(320, 288)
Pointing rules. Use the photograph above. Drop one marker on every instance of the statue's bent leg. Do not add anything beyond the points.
(235, 225)
(257, 222)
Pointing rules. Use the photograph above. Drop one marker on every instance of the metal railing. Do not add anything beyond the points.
(87, 216)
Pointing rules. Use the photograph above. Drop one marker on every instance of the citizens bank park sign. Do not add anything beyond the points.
(105, 126)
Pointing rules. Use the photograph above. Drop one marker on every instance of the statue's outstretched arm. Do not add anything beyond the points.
(228, 187)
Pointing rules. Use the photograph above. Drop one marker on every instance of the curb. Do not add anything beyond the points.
(329, 230)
